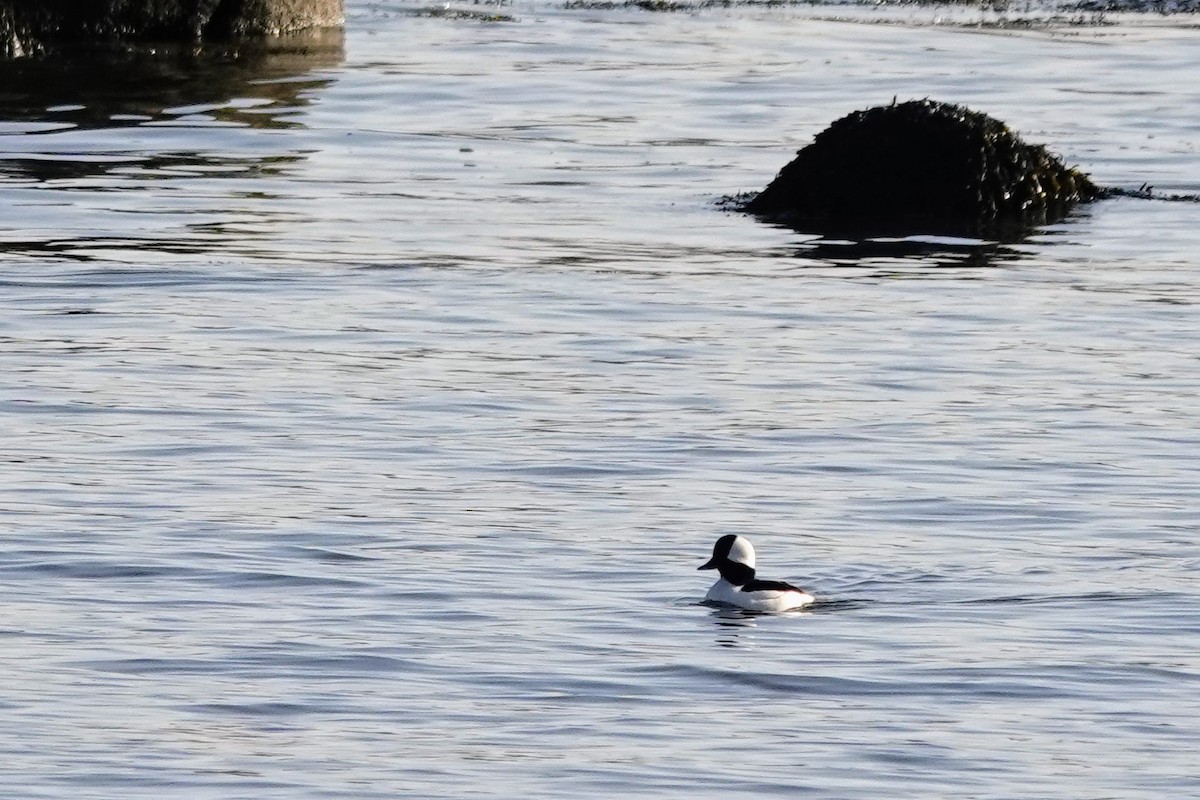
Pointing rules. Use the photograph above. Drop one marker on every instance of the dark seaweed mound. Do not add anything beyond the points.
(921, 167)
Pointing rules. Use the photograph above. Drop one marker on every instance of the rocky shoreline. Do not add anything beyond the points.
(30, 27)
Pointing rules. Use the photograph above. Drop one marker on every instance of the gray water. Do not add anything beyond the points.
(368, 408)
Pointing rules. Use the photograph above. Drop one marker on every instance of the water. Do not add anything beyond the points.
(368, 408)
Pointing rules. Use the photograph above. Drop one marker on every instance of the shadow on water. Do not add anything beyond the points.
(897, 250)
(933, 251)
(66, 120)
(907, 248)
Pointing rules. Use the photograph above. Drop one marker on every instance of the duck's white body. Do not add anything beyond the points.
(726, 593)
(733, 557)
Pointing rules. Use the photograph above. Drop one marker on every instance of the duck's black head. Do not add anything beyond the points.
(733, 557)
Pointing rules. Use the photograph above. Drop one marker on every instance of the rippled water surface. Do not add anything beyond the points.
(369, 405)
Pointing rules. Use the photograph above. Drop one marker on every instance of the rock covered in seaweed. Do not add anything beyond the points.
(31, 26)
(921, 167)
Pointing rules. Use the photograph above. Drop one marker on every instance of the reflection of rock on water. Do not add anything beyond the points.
(272, 79)
(126, 86)
(193, 174)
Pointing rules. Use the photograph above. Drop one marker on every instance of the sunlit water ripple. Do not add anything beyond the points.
(368, 410)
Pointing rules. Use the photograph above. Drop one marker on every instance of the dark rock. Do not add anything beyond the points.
(31, 26)
(921, 167)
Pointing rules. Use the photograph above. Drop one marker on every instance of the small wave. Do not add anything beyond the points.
(1147, 192)
(91, 569)
(1059, 599)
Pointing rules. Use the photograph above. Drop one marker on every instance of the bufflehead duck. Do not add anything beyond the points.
(733, 557)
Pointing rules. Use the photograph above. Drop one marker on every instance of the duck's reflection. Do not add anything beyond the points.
(734, 627)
